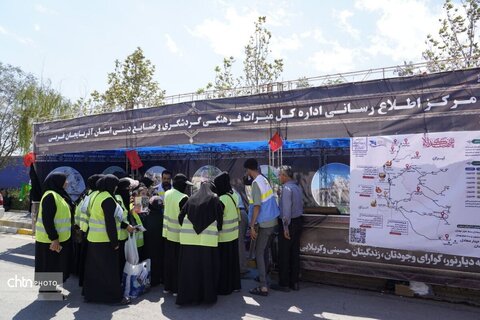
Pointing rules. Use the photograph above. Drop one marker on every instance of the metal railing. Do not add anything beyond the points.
(279, 86)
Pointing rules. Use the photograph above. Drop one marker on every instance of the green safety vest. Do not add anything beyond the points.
(138, 234)
(229, 230)
(207, 238)
(62, 220)
(83, 218)
(123, 233)
(78, 212)
(171, 227)
(97, 231)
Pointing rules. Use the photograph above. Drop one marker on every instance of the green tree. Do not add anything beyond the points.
(257, 67)
(12, 80)
(302, 82)
(224, 79)
(457, 40)
(22, 101)
(38, 102)
(408, 69)
(131, 85)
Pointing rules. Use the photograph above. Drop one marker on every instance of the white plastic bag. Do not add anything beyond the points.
(131, 250)
(84, 205)
(118, 213)
(420, 288)
(136, 279)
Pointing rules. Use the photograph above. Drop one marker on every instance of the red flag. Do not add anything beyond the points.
(28, 159)
(275, 142)
(134, 159)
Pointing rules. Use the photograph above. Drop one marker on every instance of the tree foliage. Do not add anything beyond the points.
(302, 82)
(38, 101)
(407, 69)
(457, 40)
(22, 101)
(131, 85)
(258, 69)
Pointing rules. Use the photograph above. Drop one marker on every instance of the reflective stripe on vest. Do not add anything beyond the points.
(229, 230)
(138, 234)
(62, 220)
(171, 227)
(84, 216)
(269, 208)
(207, 238)
(123, 233)
(97, 231)
(78, 212)
(248, 192)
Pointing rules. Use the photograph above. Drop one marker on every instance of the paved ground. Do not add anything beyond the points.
(15, 222)
(311, 302)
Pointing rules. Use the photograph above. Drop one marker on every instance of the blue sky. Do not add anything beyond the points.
(75, 43)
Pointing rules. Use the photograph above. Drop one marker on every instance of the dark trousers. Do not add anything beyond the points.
(289, 253)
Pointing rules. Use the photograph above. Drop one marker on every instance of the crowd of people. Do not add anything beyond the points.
(195, 243)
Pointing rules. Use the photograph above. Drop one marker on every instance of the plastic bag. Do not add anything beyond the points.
(84, 204)
(136, 279)
(118, 213)
(420, 288)
(131, 250)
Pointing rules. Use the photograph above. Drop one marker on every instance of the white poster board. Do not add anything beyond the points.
(416, 192)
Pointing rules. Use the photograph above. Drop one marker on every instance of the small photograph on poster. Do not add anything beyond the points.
(141, 204)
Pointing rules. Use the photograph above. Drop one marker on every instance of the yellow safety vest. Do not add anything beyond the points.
(171, 227)
(97, 231)
(207, 238)
(62, 220)
(229, 230)
(123, 233)
(138, 234)
(83, 219)
(78, 212)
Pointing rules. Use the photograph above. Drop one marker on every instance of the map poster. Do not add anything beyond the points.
(417, 192)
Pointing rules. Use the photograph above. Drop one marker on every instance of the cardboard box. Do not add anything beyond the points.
(403, 290)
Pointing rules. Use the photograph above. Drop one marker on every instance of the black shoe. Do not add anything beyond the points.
(124, 301)
(280, 288)
(295, 286)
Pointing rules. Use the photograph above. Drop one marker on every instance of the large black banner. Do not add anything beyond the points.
(424, 103)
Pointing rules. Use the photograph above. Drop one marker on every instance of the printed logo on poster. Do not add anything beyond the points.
(443, 142)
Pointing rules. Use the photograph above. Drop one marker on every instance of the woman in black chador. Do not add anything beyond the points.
(200, 219)
(82, 247)
(101, 282)
(154, 241)
(229, 278)
(53, 229)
